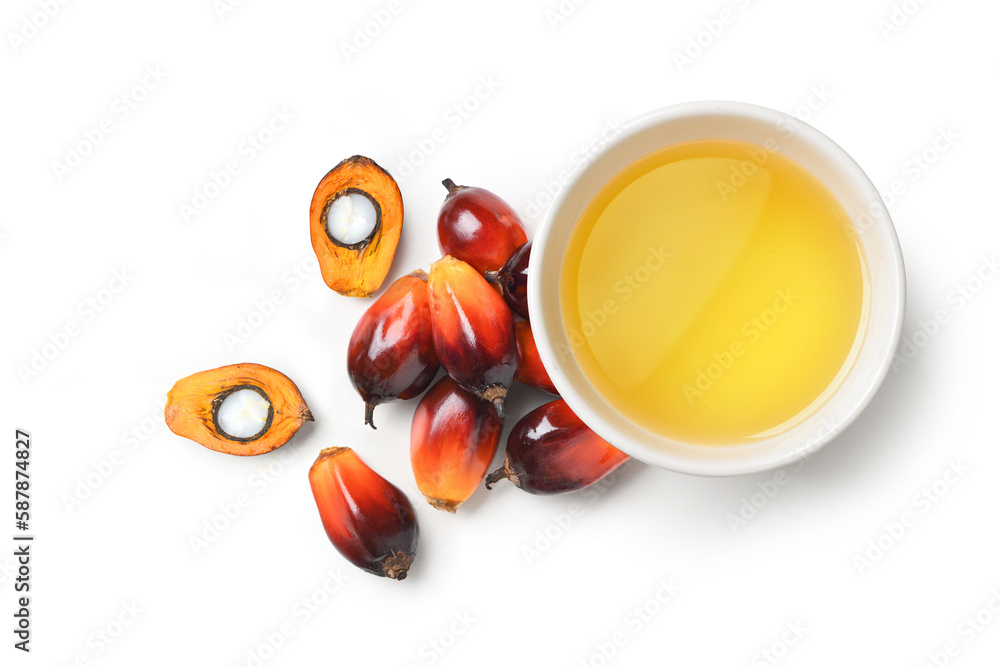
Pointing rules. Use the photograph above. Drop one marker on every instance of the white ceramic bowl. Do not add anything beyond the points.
(846, 397)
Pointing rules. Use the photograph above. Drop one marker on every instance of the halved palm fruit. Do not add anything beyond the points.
(355, 220)
(242, 409)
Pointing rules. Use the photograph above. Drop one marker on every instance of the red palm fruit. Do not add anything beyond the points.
(512, 278)
(531, 371)
(453, 439)
(391, 353)
(369, 520)
(552, 451)
(473, 331)
(478, 227)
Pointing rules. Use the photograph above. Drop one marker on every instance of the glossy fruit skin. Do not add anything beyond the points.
(391, 352)
(369, 521)
(478, 227)
(552, 451)
(473, 331)
(531, 371)
(453, 439)
(512, 278)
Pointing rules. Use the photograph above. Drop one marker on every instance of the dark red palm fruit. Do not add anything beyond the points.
(369, 520)
(391, 353)
(512, 278)
(531, 371)
(453, 440)
(551, 450)
(473, 331)
(478, 227)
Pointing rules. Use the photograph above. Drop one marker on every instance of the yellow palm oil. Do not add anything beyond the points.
(714, 292)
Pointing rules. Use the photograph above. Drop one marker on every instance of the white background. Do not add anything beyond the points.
(115, 513)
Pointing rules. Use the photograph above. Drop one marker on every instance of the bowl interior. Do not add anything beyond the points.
(858, 382)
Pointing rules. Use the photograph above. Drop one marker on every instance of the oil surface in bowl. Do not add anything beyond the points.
(714, 292)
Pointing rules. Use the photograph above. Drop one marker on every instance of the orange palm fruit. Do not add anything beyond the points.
(473, 331)
(391, 352)
(531, 371)
(355, 219)
(241, 409)
(551, 450)
(453, 439)
(369, 521)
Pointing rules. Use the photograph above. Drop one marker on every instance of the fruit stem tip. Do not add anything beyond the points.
(441, 504)
(496, 476)
(397, 565)
(330, 452)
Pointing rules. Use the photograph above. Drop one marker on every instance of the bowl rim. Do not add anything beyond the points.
(832, 152)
